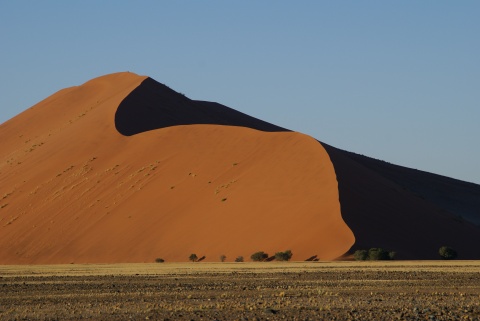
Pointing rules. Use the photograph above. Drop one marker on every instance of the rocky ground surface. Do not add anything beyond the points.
(323, 293)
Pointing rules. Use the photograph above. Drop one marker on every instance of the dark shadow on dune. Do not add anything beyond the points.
(153, 106)
(455, 196)
(405, 210)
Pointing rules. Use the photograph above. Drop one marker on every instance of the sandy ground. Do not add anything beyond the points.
(428, 290)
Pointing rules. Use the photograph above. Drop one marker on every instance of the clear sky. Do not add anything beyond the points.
(394, 80)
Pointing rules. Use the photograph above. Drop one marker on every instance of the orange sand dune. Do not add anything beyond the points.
(73, 189)
(124, 169)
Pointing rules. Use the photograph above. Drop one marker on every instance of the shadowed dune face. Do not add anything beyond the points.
(411, 212)
(462, 199)
(153, 106)
(75, 190)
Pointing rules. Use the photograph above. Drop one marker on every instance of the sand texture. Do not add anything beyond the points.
(77, 190)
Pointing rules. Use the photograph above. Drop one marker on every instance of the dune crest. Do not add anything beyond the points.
(153, 105)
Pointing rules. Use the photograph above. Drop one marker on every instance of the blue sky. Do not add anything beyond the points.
(395, 80)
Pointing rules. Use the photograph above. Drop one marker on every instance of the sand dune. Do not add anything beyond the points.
(125, 169)
(77, 190)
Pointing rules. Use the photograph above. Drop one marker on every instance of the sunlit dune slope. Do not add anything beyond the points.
(79, 185)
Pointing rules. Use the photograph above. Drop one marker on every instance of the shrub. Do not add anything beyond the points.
(447, 253)
(223, 257)
(391, 255)
(193, 257)
(259, 256)
(374, 254)
(378, 254)
(239, 259)
(360, 255)
(159, 260)
(283, 256)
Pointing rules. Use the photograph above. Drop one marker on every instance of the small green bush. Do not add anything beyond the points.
(259, 256)
(360, 255)
(392, 255)
(239, 259)
(447, 253)
(159, 260)
(223, 257)
(283, 256)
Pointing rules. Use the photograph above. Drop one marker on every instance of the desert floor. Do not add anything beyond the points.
(397, 290)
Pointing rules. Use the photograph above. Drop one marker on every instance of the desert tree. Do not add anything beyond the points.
(193, 257)
(223, 257)
(283, 256)
(259, 256)
(360, 255)
(378, 254)
(374, 254)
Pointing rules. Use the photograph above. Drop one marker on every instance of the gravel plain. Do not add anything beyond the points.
(435, 290)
